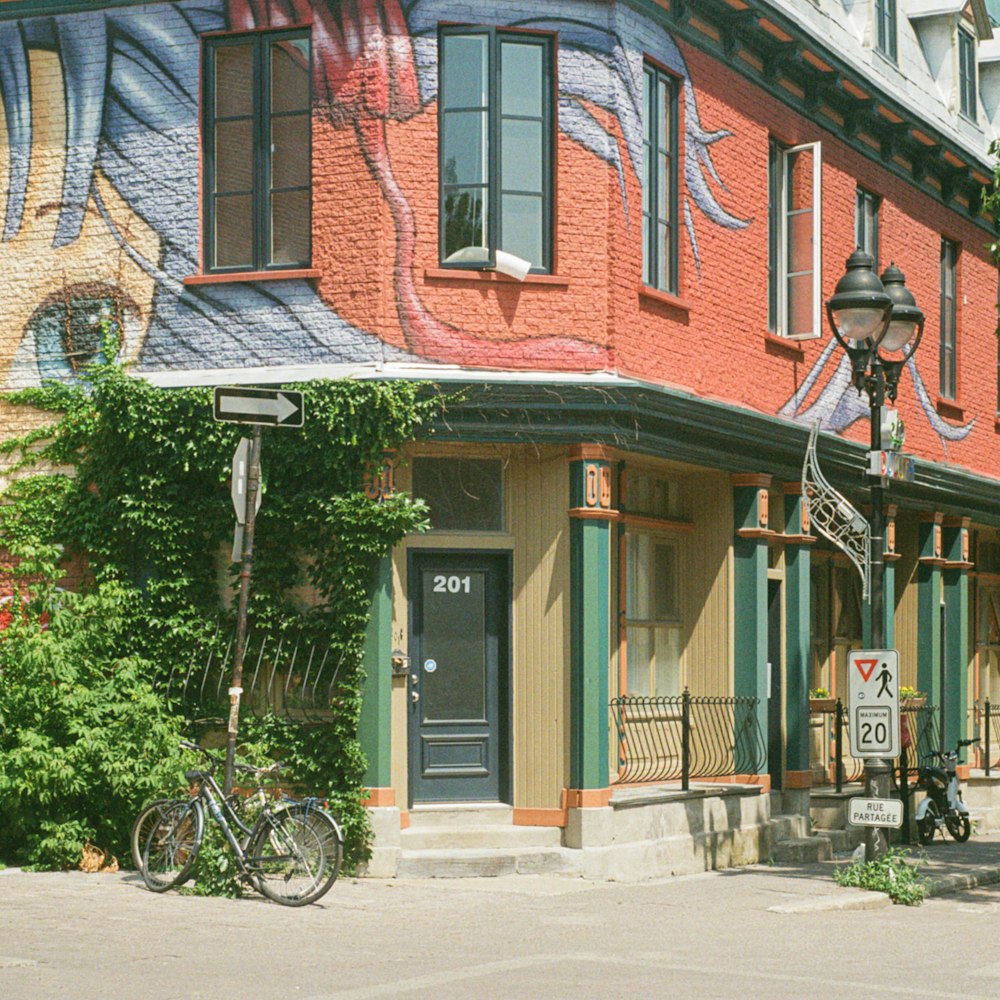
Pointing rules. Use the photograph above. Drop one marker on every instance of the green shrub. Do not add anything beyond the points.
(84, 740)
(215, 872)
(892, 874)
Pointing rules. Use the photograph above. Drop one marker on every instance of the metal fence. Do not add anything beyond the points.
(287, 675)
(921, 733)
(687, 736)
(989, 732)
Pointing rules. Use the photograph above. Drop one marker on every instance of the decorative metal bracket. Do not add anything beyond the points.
(835, 516)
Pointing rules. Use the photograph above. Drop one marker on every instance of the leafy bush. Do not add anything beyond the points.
(84, 740)
(892, 874)
(215, 872)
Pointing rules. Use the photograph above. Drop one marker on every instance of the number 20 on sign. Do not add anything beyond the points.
(873, 702)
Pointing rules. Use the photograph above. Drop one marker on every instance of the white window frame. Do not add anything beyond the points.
(781, 271)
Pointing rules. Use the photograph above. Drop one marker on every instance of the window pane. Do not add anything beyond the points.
(464, 494)
(799, 257)
(521, 143)
(233, 231)
(800, 304)
(799, 179)
(640, 656)
(465, 221)
(290, 75)
(665, 583)
(464, 68)
(290, 227)
(522, 226)
(667, 664)
(233, 80)
(290, 151)
(234, 156)
(466, 147)
(521, 69)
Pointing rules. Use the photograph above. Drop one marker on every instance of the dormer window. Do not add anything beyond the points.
(885, 28)
(967, 73)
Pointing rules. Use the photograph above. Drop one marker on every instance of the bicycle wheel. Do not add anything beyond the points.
(295, 854)
(927, 825)
(144, 822)
(172, 846)
(960, 827)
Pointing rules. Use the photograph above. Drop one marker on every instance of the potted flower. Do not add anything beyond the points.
(820, 700)
(911, 698)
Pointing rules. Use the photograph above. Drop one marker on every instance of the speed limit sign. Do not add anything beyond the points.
(873, 702)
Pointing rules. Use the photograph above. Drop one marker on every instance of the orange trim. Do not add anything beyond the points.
(762, 781)
(956, 521)
(791, 489)
(751, 479)
(470, 274)
(587, 798)
(539, 817)
(244, 276)
(930, 518)
(380, 797)
(596, 452)
(798, 779)
(793, 348)
(656, 523)
(964, 772)
(594, 514)
(404, 820)
(756, 533)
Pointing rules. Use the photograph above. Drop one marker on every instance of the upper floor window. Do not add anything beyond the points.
(949, 276)
(794, 227)
(463, 494)
(967, 73)
(866, 212)
(659, 191)
(257, 141)
(885, 28)
(495, 142)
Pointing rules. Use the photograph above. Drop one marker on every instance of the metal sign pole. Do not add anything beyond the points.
(236, 689)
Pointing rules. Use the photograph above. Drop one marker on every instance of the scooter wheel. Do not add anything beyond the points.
(928, 824)
(959, 827)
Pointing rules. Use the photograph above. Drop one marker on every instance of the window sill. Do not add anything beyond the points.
(649, 294)
(782, 345)
(465, 274)
(950, 409)
(232, 277)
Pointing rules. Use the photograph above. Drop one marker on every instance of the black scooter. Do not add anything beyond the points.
(943, 806)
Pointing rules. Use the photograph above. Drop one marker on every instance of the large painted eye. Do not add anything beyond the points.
(68, 334)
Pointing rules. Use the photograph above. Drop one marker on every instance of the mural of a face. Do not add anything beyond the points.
(54, 295)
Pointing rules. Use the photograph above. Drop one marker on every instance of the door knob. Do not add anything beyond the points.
(414, 696)
(414, 678)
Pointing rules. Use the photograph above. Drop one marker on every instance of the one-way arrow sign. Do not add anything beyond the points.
(275, 407)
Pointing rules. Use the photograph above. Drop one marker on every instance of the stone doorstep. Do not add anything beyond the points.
(493, 836)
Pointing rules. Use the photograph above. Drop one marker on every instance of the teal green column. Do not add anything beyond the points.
(750, 511)
(955, 576)
(889, 558)
(590, 616)
(374, 726)
(798, 624)
(929, 609)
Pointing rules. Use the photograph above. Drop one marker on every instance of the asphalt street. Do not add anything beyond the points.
(754, 932)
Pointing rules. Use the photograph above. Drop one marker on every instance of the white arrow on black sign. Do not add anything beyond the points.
(275, 407)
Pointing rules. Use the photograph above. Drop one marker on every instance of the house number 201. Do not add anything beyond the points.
(451, 584)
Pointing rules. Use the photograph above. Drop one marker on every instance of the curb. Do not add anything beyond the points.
(966, 880)
(859, 899)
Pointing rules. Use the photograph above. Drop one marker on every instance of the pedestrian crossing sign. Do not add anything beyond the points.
(873, 702)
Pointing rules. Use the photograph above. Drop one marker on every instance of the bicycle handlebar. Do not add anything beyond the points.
(216, 761)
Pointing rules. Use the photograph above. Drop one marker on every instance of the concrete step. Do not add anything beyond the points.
(786, 827)
(465, 814)
(465, 863)
(985, 820)
(843, 841)
(797, 850)
(491, 836)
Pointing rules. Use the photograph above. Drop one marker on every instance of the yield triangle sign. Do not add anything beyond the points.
(866, 668)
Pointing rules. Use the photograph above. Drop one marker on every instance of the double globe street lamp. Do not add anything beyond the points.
(879, 325)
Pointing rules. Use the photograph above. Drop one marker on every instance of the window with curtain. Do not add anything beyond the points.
(947, 383)
(659, 189)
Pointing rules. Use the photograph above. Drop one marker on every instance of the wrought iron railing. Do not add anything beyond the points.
(989, 733)
(288, 675)
(921, 733)
(687, 736)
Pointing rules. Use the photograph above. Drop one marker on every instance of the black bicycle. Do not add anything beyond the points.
(292, 852)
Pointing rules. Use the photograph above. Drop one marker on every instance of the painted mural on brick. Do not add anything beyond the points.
(101, 174)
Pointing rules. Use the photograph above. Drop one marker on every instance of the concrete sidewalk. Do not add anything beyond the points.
(947, 866)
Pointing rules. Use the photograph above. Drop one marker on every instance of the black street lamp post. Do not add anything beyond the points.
(878, 324)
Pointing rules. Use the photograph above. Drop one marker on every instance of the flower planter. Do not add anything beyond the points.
(822, 705)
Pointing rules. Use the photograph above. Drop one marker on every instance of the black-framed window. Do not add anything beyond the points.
(496, 106)
(258, 149)
(885, 28)
(949, 314)
(866, 218)
(967, 73)
(659, 189)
